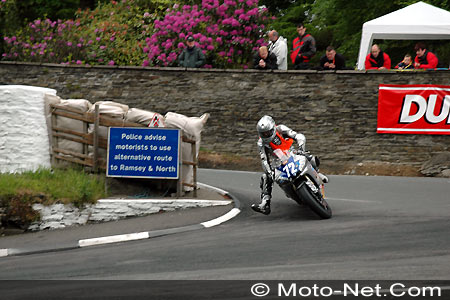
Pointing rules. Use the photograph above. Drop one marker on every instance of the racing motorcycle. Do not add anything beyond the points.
(300, 181)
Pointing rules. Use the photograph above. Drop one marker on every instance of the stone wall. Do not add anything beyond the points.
(59, 216)
(337, 111)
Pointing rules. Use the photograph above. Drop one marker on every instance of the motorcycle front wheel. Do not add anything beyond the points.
(317, 204)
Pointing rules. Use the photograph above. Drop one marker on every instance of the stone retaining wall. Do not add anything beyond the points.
(337, 111)
(58, 216)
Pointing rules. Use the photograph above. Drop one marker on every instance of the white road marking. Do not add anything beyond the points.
(3, 252)
(113, 239)
(174, 201)
(231, 214)
(220, 191)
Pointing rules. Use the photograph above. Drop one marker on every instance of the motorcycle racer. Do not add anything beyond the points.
(272, 137)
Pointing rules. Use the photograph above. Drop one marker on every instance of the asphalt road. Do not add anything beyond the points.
(383, 228)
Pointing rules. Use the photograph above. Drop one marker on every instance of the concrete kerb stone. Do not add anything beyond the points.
(104, 210)
(140, 235)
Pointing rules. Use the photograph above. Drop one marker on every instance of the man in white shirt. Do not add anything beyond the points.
(278, 46)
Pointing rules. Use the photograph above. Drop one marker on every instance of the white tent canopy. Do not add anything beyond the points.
(419, 21)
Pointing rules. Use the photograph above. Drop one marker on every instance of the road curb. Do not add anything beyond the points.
(83, 243)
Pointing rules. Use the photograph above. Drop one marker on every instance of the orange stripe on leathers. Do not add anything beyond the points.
(285, 143)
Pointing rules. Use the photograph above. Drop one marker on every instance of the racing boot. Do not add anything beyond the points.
(265, 184)
(264, 206)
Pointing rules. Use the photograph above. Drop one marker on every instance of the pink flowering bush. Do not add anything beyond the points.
(228, 32)
(108, 35)
(45, 41)
(138, 32)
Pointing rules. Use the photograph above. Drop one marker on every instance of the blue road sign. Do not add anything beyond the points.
(143, 153)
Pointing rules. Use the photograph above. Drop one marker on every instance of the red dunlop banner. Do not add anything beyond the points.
(413, 109)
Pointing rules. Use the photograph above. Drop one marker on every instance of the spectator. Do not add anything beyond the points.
(304, 47)
(406, 63)
(263, 60)
(332, 60)
(278, 46)
(192, 56)
(377, 59)
(424, 59)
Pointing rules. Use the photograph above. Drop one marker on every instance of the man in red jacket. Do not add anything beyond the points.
(424, 59)
(303, 48)
(377, 59)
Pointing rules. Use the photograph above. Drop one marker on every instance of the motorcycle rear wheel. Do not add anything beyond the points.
(318, 205)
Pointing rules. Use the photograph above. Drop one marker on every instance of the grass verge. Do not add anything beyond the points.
(18, 192)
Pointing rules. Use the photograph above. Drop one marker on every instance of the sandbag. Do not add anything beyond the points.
(109, 109)
(81, 105)
(144, 117)
(191, 128)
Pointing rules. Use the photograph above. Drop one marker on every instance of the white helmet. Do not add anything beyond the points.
(266, 129)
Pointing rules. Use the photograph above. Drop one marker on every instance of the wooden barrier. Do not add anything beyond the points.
(93, 139)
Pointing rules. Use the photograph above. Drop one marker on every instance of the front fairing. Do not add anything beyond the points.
(288, 165)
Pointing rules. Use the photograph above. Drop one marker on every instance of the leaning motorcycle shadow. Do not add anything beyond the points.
(289, 210)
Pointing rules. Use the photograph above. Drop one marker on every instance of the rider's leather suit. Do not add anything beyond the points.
(283, 140)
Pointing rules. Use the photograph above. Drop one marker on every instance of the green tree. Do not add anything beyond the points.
(30, 10)
(277, 6)
(339, 23)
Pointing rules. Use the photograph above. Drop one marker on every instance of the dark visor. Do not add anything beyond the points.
(266, 134)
